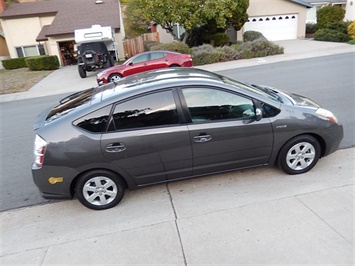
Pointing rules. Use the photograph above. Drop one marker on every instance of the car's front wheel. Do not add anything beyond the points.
(299, 155)
(114, 77)
(100, 189)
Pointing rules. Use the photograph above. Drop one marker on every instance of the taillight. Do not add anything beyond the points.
(39, 150)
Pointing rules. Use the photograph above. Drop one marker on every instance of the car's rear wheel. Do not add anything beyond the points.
(174, 65)
(100, 189)
(299, 155)
(82, 72)
(114, 77)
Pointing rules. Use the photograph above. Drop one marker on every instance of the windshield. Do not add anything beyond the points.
(265, 92)
(98, 47)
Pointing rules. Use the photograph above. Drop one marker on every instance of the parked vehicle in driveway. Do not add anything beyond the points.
(172, 124)
(93, 56)
(144, 62)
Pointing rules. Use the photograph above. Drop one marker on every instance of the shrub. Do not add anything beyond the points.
(204, 58)
(205, 48)
(331, 35)
(351, 30)
(219, 39)
(173, 46)
(230, 53)
(250, 36)
(44, 62)
(14, 63)
(311, 28)
(352, 41)
(259, 48)
(196, 37)
(329, 14)
(148, 44)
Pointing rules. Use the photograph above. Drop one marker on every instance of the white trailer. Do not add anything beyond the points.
(98, 34)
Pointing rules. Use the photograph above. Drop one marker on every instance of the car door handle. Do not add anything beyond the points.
(202, 138)
(115, 147)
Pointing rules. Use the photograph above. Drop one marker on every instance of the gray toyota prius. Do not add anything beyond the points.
(172, 124)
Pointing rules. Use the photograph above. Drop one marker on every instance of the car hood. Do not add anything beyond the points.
(289, 98)
(300, 100)
(112, 69)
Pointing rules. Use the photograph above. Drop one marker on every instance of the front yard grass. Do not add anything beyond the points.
(18, 80)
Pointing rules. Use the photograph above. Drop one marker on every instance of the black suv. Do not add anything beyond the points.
(92, 56)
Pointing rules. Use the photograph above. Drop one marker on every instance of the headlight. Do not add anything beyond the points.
(100, 74)
(327, 114)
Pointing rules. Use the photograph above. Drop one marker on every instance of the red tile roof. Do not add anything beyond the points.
(69, 15)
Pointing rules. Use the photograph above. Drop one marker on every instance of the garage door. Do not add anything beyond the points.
(274, 28)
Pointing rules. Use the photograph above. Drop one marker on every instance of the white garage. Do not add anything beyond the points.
(274, 27)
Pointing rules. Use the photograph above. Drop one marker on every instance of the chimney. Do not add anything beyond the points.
(2, 5)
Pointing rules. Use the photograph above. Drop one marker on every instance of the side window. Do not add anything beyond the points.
(95, 122)
(207, 104)
(269, 111)
(157, 109)
(141, 58)
(157, 55)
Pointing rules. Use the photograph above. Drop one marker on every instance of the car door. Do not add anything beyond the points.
(146, 140)
(138, 64)
(224, 132)
(158, 60)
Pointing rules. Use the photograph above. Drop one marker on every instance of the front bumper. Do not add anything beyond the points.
(333, 137)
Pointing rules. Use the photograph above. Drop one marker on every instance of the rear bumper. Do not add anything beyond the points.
(54, 182)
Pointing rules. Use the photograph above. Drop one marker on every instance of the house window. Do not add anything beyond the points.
(28, 51)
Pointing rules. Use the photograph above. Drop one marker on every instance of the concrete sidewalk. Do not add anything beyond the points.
(67, 80)
(259, 216)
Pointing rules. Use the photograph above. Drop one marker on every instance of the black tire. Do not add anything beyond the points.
(299, 155)
(100, 189)
(114, 77)
(174, 66)
(82, 72)
(108, 62)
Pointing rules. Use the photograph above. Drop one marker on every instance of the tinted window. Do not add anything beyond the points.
(269, 111)
(157, 55)
(213, 104)
(96, 121)
(155, 109)
(70, 103)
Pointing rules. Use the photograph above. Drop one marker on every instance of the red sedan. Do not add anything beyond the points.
(144, 62)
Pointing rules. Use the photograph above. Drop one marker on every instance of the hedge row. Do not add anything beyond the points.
(254, 45)
(34, 63)
(207, 54)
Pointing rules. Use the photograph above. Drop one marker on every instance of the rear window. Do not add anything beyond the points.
(69, 104)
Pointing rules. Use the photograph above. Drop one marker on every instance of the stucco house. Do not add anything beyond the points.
(277, 19)
(318, 4)
(45, 27)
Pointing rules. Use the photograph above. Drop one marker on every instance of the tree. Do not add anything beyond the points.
(192, 13)
(328, 15)
(134, 23)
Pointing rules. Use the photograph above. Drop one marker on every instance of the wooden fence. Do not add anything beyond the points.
(136, 45)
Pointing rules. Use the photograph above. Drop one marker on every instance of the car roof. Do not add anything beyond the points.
(161, 76)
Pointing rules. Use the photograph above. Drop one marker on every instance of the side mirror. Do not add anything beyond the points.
(130, 64)
(258, 114)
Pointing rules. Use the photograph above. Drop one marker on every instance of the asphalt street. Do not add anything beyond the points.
(257, 216)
